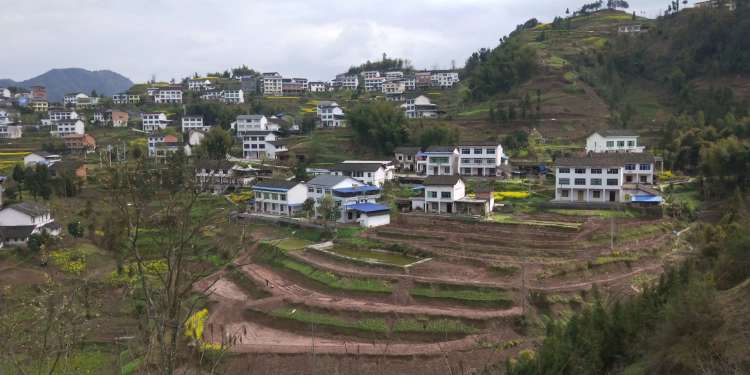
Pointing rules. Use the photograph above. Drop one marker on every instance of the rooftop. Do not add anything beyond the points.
(276, 184)
(30, 208)
(440, 149)
(445, 180)
(357, 167)
(368, 207)
(327, 180)
(617, 133)
(605, 159)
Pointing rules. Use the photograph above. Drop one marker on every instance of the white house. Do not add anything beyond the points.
(410, 83)
(74, 98)
(279, 197)
(5, 119)
(58, 115)
(394, 87)
(160, 146)
(348, 194)
(41, 157)
(21, 220)
(442, 192)
(199, 84)
(222, 175)
(154, 121)
(371, 74)
(420, 107)
(233, 96)
(604, 177)
(168, 95)
(318, 86)
(125, 98)
(444, 78)
(249, 123)
(374, 84)
(395, 74)
(481, 159)
(193, 123)
(272, 84)
(261, 145)
(613, 141)
(346, 82)
(369, 172)
(11, 131)
(4, 93)
(195, 137)
(330, 114)
(406, 158)
(66, 127)
(438, 160)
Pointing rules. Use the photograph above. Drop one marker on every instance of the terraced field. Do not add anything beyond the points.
(473, 286)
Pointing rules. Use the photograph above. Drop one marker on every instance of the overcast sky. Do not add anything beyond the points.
(308, 38)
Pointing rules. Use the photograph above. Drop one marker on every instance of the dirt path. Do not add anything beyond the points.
(297, 294)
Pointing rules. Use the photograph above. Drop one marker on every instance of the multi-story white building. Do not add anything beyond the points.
(371, 74)
(442, 192)
(356, 201)
(393, 75)
(406, 158)
(613, 141)
(272, 84)
(410, 83)
(346, 82)
(193, 123)
(318, 87)
(481, 159)
(374, 84)
(330, 114)
(66, 127)
(419, 107)
(247, 123)
(169, 95)
(262, 145)
(153, 121)
(370, 172)
(11, 131)
(438, 161)
(58, 115)
(71, 99)
(233, 96)
(604, 177)
(444, 78)
(279, 197)
(199, 84)
(161, 145)
(126, 98)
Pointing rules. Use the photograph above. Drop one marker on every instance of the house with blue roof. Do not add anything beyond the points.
(356, 200)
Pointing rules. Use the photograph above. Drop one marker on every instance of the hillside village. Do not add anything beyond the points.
(389, 219)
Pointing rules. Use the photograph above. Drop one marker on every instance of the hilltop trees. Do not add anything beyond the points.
(507, 65)
(379, 125)
(216, 144)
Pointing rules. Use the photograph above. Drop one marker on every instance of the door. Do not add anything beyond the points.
(449, 208)
(612, 196)
(435, 171)
(480, 172)
(580, 195)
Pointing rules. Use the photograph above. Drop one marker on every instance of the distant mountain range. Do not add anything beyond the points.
(62, 81)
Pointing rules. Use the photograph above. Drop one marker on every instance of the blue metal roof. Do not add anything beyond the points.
(646, 199)
(357, 189)
(368, 207)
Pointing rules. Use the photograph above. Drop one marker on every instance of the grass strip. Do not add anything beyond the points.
(376, 325)
(478, 295)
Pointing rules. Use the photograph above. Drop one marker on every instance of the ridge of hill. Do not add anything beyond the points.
(62, 81)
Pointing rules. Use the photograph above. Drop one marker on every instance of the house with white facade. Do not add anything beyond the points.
(168, 95)
(394, 75)
(446, 194)
(318, 86)
(72, 99)
(370, 74)
(605, 177)
(5, 118)
(279, 197)
(262, 145)
(374, 84)
(370, 172)
(58, 115)
(11, 131)
(20, 221)
(67, 127)
(41, 157)
(481, 159)
(125, 98)
(154, 121)
(410, 83)
(438, 160)
(330, 114)
(233, 96)
(199, 84)
(220, 176)
(272, 84)
(444, 78)
(615, 140)
(356, 201)
(345, 82)
(193, 123)
(420, 107)
(161, 145)
(247, 123)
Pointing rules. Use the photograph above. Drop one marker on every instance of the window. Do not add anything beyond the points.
(644, 179)
(477, 151)
(433, 194)
(477, 161)
(447, 170)
(596, 194)
(275, 196)
(631, 143)
(445, 194)
(629, 167)
(613, 171)
(620, 143)
(310, 190)
(266, 196)
(580, 181)
(564, 181)
(596, 171)
(283, 197)
(596, 181)
(610, 143)
(580, 170)
(438, 160)
(563, 170)
(400, 158)
(465, 151)
(645, 167)
(467, 170)
(611, 182)
(564, 193)
(466, 161)
(490, 151)
(328, 191)
(319, 191)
